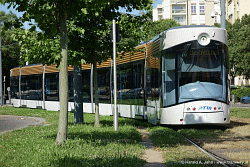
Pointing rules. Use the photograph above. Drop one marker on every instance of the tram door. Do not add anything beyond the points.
(153, 80)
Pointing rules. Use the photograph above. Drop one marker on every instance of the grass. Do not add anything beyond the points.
(240, 112)
(210, 131)
(90, 146)
(85, 146)
(178, 151)
(165, 137)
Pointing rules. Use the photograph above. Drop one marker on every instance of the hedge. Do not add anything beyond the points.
(239, 93)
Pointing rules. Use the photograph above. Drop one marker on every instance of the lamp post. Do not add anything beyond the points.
(115, 84)
(223, 14)
(1, 80)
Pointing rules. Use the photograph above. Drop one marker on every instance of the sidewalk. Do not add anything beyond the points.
(10, 122)
(153, 157)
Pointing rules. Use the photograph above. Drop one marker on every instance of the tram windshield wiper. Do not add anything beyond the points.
(215, 55)
(188, 47)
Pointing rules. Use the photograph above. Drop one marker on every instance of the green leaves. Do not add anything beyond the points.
(239, 46)
(84, 11)
(9, 47)
(159, 26)
(88, 30)
(37, 48)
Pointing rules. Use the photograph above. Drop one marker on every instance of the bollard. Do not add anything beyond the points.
(233, 99)
(8, 89)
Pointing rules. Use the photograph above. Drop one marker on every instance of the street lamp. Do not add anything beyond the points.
(1, 80)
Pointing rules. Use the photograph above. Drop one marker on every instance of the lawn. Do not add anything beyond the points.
(90, 146)
(85, 145)
(240, 112)
(178, 151)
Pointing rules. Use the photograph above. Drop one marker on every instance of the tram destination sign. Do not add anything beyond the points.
(204, 52)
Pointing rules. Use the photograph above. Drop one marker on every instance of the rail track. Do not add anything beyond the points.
(226, 162)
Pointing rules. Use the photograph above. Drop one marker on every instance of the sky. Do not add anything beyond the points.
(19, 14)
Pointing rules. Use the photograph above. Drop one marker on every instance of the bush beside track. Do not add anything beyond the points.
(239, 93)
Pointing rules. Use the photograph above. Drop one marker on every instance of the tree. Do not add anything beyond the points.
(96, 43)
(230, 37)
(9, 47)
(239, 47)
(85, 26)
(88, 40)
(51, 18)
(159, 26)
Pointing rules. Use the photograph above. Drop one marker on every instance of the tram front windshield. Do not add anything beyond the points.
(200, 65)
(200, 73)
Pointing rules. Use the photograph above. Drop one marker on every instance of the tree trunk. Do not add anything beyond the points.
(63, 81)
(97, 119)
(78, 99)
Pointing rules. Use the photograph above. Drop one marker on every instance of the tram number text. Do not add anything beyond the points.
(204, 52)
(205, 108)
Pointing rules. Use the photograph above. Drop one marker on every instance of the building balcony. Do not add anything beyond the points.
(179, 1)
(179, 11)
(182, 22)
(160, 12)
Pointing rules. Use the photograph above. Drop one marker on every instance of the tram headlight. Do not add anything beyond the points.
(203, 39)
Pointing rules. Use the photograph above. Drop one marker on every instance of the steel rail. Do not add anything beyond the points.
(224, 162)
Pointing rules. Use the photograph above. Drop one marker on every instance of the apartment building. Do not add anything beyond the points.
(189, 12)
(235, 9)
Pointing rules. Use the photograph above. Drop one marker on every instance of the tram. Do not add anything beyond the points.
(178, 78)
(195, 85)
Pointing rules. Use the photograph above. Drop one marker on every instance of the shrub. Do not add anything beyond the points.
(239, 93)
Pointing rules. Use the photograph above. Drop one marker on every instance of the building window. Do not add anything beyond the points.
(202, 8)
(179, 19)
(193, 8)
(160, 10)
(178, 9)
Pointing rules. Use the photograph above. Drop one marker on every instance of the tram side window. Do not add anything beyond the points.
(14, 87)
(70, 87)
(129, 83)
(168, 79)
(52, 87)
(103, 80)
(31, 87)
(86, 85)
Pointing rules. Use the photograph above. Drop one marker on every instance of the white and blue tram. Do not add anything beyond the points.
(194, 70)
(181, 78)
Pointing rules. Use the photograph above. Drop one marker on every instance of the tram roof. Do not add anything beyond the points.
(189, 26)
(180, 27)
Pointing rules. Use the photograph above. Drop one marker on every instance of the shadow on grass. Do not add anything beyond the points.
(107, 136)
(104, 134)
(207, 133)
(232, 124)
(107, 121)
(121, 161)
(235, 124)
(170, 136)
